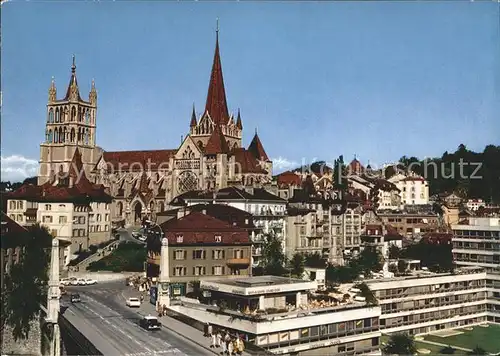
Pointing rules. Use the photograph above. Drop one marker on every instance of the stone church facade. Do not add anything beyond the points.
(142, 183)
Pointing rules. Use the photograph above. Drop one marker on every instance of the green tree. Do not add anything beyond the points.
(297, 264)
(367, 293)
(26, 285)
(368, 260)
(315, 260)
(394, 252)
(273, 259)
(400, 344)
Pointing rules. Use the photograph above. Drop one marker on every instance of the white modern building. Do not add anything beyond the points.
(414, 189)
(425, 302)
(475, 204)
(477, 243)
(277, 314)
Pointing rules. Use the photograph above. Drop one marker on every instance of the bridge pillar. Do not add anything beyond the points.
(164, 279)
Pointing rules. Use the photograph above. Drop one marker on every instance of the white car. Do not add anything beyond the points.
(73, 281)
(81, 282)
(65, 282)
(133, 303)
(90, 281)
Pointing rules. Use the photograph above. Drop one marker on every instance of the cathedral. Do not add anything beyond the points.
(142, 183)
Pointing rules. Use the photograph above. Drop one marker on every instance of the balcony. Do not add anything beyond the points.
(238, 261)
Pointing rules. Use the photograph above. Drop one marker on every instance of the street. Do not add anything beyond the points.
(103, 314)
(126, 235)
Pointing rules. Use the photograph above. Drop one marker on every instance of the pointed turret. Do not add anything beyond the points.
(93, 94)
(193, 118)
(216, 105)
(238, 121)
(73, 93)
(257, 149)
(52, 91)
(216, 143)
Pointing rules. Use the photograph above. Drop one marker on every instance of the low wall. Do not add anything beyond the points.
(103, 276)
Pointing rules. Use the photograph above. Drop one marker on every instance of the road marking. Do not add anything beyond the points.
(161, 352)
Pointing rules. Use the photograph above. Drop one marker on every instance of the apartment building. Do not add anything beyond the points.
(389, 197)
(475, 204)
(70, 206)
(414, 188)
(200, 247)
(381, 238)
(476, 242)
(425, 302)
(412, 222)
(268, 210)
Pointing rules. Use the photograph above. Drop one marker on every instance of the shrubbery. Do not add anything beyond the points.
(127, 257)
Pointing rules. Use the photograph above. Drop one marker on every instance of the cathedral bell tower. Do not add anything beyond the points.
(70, 123)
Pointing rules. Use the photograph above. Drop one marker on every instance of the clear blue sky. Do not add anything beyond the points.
(378, 79)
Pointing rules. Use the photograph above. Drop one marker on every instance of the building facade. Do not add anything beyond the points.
(477, 242)
(211, 156)
(414, 189)
(200, 247)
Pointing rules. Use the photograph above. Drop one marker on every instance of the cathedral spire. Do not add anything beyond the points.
(193, 118)
(52, 91)
(73, 93)
(216, 105)
(93, 93)
(239, 124)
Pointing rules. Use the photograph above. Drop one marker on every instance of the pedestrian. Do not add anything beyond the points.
(219, 339)
(210, 329)
(213, 341)
(230, 347)
(224, 348)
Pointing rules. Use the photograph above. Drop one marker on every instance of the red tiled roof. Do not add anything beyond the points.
(289, 178)
(246, 162)
(437, 237)
(414, 179)
(138, 160)
(216, 105)
(257, 149)
(198, 228)
(216, 143)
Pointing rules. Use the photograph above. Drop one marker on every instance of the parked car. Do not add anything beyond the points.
(65, 282)
(75, 298)
(150, 323)
(81, 282)
(90, 281)
(133, 303)
(73, 281)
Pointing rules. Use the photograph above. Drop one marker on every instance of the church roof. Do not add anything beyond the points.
(246, 162)
(257, 149)
(126, 161)
(239, 124)
(216, 104)
(216, 143)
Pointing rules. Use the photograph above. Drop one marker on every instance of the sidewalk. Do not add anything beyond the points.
(179, 328)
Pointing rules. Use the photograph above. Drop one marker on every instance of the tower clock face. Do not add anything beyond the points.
(187, 181)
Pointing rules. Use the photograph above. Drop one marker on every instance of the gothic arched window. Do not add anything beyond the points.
(57, 115)
(61, 135)
(87, 137)
(65, 135)
(87, 117)
(51, 116)
(72, 135)
(73, 114)
(56, 136)
(50, 136)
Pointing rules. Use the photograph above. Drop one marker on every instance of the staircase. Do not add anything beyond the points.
(100, 253)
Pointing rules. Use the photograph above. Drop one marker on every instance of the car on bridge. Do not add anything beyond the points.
(133, 303)
(150, 323)
(75, 298)
(90, 281)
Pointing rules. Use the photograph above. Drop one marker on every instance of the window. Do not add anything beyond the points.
(99, 218)
(238, 254)
(218, 270)
(199, 270)
(179, 255)
(81, 219)
(47, 219)
(19, 217)
(47, 206)
(53, 232)
(179, 271)
(199, 255)
(218, 238)
(82, 232)
(20, 205)
(62, 205)
(75, 232)
(106, 217)
(218, 254)
(106, 227)
(63, 219)
(179, 238)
